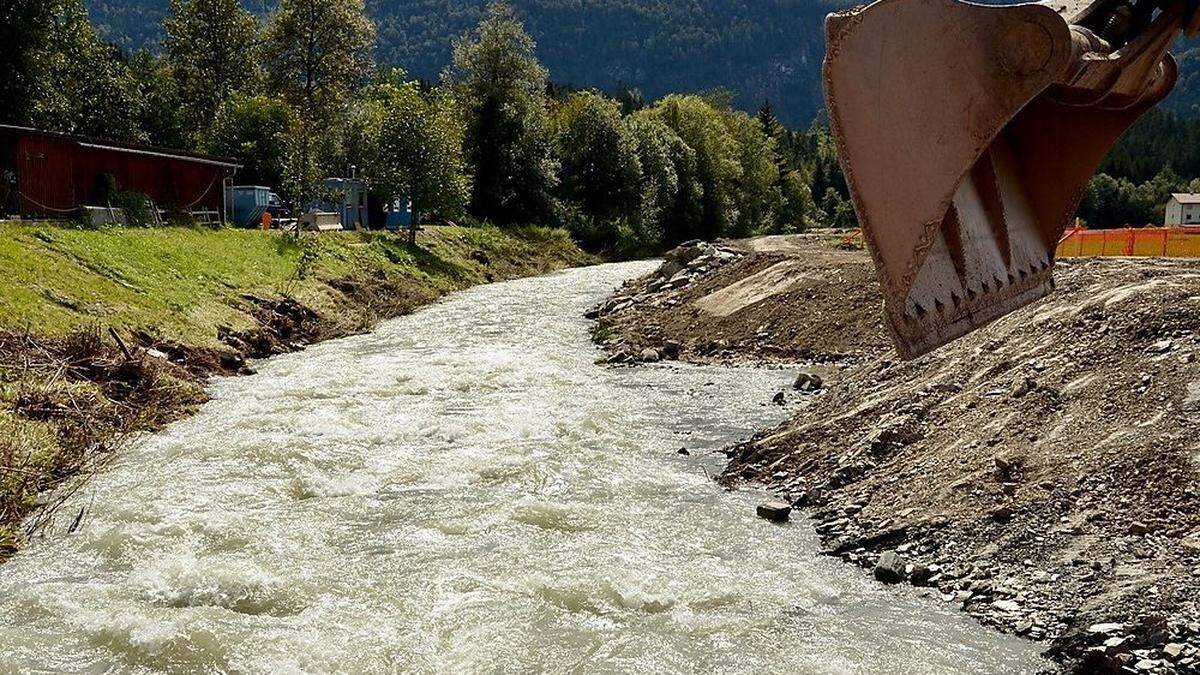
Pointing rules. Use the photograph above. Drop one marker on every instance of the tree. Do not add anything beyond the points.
(317, 53)
(81, 84)
(757, 196)
(161, 111)
(659, 185)
(420, 151)
(501, 87)
(300, 171)
(600, 172)
(718, 168)
(599, 157)
(844, 216)
(210, 47)
(1117, 202)
(769, 122)
(831, 204)
(630, 99)
(797, 206)
(23, 32)
(253, 129)
(677, 189)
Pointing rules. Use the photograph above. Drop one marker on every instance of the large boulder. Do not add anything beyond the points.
(776, 512)
(669, 269)
(687, 252)
(890, 569)
(808, 382)
(671, 349)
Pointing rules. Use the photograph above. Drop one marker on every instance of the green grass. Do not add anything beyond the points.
(185, 282)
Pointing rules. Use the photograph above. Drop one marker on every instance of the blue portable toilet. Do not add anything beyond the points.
(247, 204)
(399, 214)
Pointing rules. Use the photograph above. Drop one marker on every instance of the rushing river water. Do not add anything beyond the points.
(462, 491)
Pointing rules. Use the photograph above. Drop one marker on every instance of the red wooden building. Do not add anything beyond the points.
(51, 175)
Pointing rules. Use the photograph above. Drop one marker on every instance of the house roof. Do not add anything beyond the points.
(121, 146)
(1186, 198)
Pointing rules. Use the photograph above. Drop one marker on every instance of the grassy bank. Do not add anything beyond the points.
(108, 332)
(186, 283)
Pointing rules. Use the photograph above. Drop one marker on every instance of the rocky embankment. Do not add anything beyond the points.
(1041, 474)
(770, 300)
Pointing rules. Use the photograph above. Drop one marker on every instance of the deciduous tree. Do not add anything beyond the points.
(757, 195)
(82, 84)
(659, 182)
(210, 46)
(501, 86)
(420, 150)
(23, 32)
(718, 168)
(317, 52)
(161, 117)
(253, 129)
(599, 156)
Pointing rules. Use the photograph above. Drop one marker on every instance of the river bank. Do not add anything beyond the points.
(107, 333)
(461, 490)
(1040, 474)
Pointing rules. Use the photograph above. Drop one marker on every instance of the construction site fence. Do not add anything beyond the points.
(1136, 243)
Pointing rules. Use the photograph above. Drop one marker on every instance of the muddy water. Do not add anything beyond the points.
(461, 491)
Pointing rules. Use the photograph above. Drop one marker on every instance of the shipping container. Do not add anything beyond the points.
(49, 174)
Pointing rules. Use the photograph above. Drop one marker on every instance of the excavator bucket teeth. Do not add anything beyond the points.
(967, 146)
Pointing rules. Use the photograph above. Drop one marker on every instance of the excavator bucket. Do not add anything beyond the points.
(968, 134)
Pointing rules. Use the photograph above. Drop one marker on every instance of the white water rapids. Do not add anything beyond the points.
(462, 491)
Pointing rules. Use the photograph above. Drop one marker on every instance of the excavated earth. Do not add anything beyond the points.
(767, 300)
(1040, 473)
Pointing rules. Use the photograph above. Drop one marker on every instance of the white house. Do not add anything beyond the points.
(1183, 211)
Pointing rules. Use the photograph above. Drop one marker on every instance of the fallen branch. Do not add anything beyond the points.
(120, 343)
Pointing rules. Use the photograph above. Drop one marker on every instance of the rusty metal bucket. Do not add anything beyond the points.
(968, 134)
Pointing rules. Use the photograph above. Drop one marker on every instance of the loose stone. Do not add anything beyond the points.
(776, 512)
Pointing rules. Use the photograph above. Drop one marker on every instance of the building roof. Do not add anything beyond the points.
(121, 146)
(1186, 198)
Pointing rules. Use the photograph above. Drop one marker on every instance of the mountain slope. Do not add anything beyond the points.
(757, 49)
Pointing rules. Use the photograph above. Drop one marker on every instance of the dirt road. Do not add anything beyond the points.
(1040, 473)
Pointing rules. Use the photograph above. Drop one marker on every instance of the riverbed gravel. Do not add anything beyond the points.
(1041, 473)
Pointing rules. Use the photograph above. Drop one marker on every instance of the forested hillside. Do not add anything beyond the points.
(638, 50)
(760, 49)
(757, 49)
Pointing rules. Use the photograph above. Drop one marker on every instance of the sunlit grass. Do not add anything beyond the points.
(185, 282)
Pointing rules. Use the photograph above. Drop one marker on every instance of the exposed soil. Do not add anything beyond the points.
(768, 300)
(1040, 473)
(84, 391)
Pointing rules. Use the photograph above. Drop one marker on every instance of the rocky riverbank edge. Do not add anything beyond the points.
(1040, 475)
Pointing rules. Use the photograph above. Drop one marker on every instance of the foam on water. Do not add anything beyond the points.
(462, 491)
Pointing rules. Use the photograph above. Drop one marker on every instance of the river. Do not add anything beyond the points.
(462, 490)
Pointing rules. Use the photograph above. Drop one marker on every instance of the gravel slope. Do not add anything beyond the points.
(1040, 473)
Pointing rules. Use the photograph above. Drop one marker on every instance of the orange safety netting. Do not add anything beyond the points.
(1144, 243)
